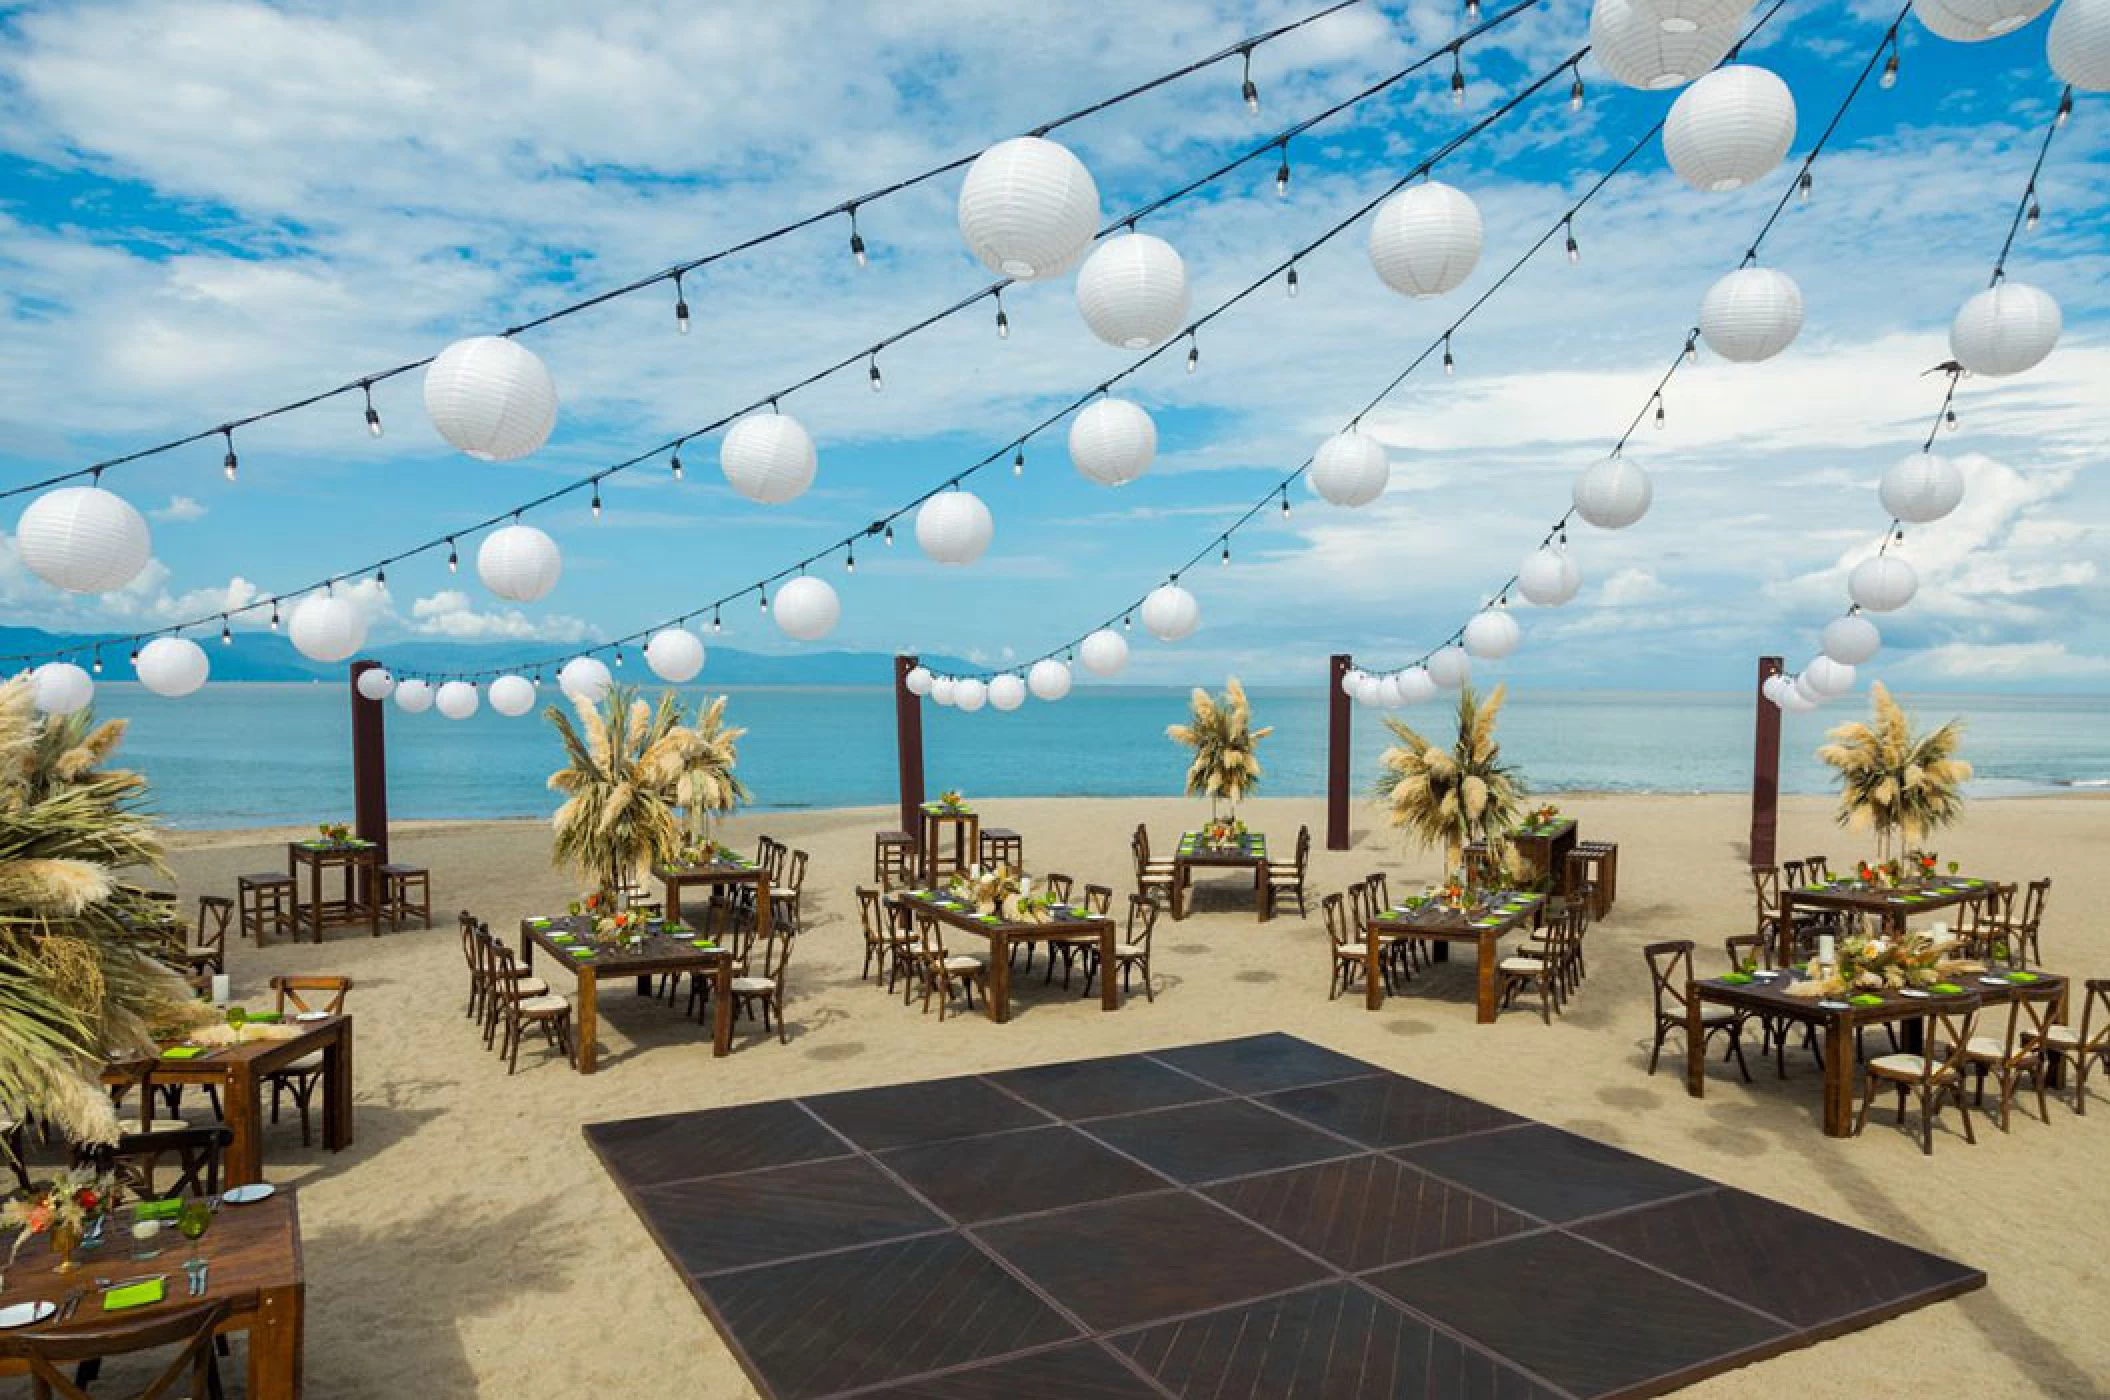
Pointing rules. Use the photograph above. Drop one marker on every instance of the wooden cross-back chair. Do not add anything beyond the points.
(1933, 1077)
(2084, 1044)
(1350, 951)
(1670, 970)
(135, 1159)
(207, 950)
(943, 970)
(193, 1370)
(2017, 1051)
(518, 1007)
(302, 1076)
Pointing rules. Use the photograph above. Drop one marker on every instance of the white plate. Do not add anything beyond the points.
(27, 1314)
(1913, 992)
(313, 1016)
(248, 1195)
(1836, 1005)
(1993, 982)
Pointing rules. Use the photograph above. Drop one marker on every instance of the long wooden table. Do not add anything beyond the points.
(1248, 852)
(360, 862)
(254, 1253)
(1004, 933)
(714, 875)
(659, 953)
(1887, 908)
(238, 1072)
(1442, 925)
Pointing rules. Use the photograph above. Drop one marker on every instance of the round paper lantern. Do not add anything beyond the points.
(1112, 441)
(1827, 677)
(586, 678)
(1752, 314)
(969, 695)
(1851, 640)
(1104, 652)
(1388, 694)
(768, 458)
(674, 654)
(1773, 685)
(1685, 16)
(327, 628)
(1970, 21)
(1729, 128)
(414, 697)
(1369, 690)
(1783, 691)
(918, 680)
(2005, 329)
(806, 608)
(1416, 685)
(1613, 494)
(456, 700)
(1132, 291)
(1425, 240)
(176, 666)
(519, 562)
(1548, 578)
(1350, 469)
(83, 539)
(1450, 667)
(492, 397)
(1635, 49)
(512, 696)
(1028, 208)
(943, 689)
(1882, 584)
(60, 688)
(1352, 681)
(1006, 692)
(1921, 489)
(376, 684)
(1048, 680)
(1492, 634)
(1171, 613)
(2079, 44)
(954, 527)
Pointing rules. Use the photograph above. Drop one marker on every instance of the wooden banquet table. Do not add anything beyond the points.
(1840, 1019)
(1066, 927)
(254, 1254)
(238, 1073)
(1505, 912)
(360, 862)
(1247, 852)
(1887, 908)
(658, 953)
(713, 874)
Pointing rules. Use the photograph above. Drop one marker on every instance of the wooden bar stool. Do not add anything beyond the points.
(1600, 866)
(264, 903)
(1003, 846)
(893, 858)
(406, 890)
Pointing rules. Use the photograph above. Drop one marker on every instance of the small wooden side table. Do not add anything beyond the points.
(965, 829)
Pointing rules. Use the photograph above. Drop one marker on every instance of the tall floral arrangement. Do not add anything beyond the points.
(618, 814)
(1452, 797)
(701, 758)
(1899, 784)
(1220, 733)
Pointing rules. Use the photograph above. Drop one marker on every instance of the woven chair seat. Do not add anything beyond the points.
(963, 962)
(754, 984)
(538, 1006)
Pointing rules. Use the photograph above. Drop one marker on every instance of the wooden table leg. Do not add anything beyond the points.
(1784, 931)
(1373, 979)
(1109, 989)
(337, 1090)
(373, 892)
(1179, 890)
(1695, 1049)
(722, 1009)
(673, 900)
(1840, 1051)
(999, 1008)
(276, 1347)
(589, 1019)
(1485, 972)
(243, 1112)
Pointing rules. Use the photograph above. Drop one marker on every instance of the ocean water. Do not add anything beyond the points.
(251, 755)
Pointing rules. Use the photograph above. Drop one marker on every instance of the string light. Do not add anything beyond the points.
(1194, 353)
(857, 240)
(597, 500)
(889, 536)
(274, 614)
(230, 464)
(226, 631)
(1291, 284)
(850, 560)
(1575, 91)
(762, 596)
(1457, 78)
(2036, 213)
(1574, 248)
(373, 415)
(1472, 11)
(681, 307)
(675, 463)
(2065, 108)
(1450, 366)
(1018, 462)
(1003, 322)
(717, 625)
(1661, 417)
(381, 579)
(1247, 89)
(1282, 174)
(97, 667)
(1692, 349)
(1128, 624)
(454, 558)
(1285, 503)
(1227, 551)
(873, 374)
(1949, 418)
(1890, 66)
(1804, 186)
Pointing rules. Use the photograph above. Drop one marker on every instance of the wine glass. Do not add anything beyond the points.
(192, 1222)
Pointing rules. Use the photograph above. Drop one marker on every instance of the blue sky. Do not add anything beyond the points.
(206, 208)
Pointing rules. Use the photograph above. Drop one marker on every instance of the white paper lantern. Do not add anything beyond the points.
(1416, 685)
(1006, 692)
(1970, 21)
(413, 697)
(1492, 634)
(1171, 613)
(675, 655)
(1751, 314)
(1852, 640)
(1548, 578)
(1729, 128)
(327, 628)
(457, 700)
(492, 397)
(1882, 584)
(1028, 208)
(806, 608)
(586, 678)
(2079, 44)
(1613, 494)
(1350, 469)
(954, 527)
(1450, 667)
(519, 562)
(1773, 686)
(969, 695)
(1352, 681)
(60, 688)
(176, 666)
(943, 689)
(1048, 680)
(1132, 291)
(1921, 489)
(918, 680)
(1426, 239)
(768, 457)
(83, 539)
(1388, 695)
(376, 684)
(2005, 329)
(1685, 16)
(1369, 690)
(1828, 678)
(1112, 441)
(512, 696)
(1634, 48)
(1104, 652)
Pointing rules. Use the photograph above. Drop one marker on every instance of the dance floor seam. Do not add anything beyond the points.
(1259, 1216)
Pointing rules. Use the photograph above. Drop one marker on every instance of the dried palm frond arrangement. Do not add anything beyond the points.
(1451, 797)
(1901, 785)
(1220, 733)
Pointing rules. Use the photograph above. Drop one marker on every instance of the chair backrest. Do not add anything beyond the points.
(290, 989)
(2028, 1022)
(1141, 842)
(2094, 1030)
(1337, 925)
(1792, 872)
(1059, 887)
(215, 916)
(2033, 904)
(1142, 918)
(190, 1330)
(1099, 899)
(1765, 883)
(1359, 905)
(1951, 1025)
(1380, 892)
(774, 956)
(469, 946)
(932, 933)
(794, 874)
(1819, 868)
(1303, 850)
(1745, 949)
(1670, 969)
(1581, 900)
(198, 1152)
(870, 913)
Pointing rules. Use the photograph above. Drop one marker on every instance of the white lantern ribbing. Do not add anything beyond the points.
(512, 696)
(1773, 686)
(83, 539)
(943, 689)
(586, 678)
(375, 683)
(1729, 128)
(1416, 685)
(176, 666)
(1828, 678)
(60, 688)
(1548, 578)
(1493, 634)
(1352, 681)
(675, 655)
(1450, 667)
(1751, 314)
(1426, 239)
(1852, 640)
(1112, 441)
(2079, 44)
(1171, 613)
(1635, 49)
(954, 527)
(1132, 291)
(456, 700)
(519, 562)
(1613, 494)
(1882, 584)
(414, 697)
(1369, 690)
(1048, 680)
(1028, 208)
(806, 608)
(918, 680)
(2005, 329)
(1104, 652)
(1388, 694)
(1921, 489)
(1350, 469)
(768, 457)
(969, 694)
(1970, 21)
(492, 397)
(1006, 692)
(327, 628)
(1685, 16)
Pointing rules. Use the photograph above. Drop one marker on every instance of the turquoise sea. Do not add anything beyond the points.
(251, 755)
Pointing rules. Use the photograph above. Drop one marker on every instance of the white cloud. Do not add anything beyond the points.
(1632, 587)
(452, 615)
(2008, 661)
(179, 510)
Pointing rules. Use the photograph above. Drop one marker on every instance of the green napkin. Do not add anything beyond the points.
(136, 1295)
(706, 944)
(1866, 999)
(157, 1210)
(538, 924)
(1947, 989)
(1734, 979)
(985, 918)
(1485, 923)
(563, 938)
(2021, 976)
(580, 952)
(181, 1052)
(266, 1017)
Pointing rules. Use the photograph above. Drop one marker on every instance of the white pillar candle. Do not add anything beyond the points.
(220, 989)
(1827, 950)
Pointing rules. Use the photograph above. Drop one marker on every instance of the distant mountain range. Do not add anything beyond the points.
(268, 657)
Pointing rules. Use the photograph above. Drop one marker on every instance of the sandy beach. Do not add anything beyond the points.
(469, 1243)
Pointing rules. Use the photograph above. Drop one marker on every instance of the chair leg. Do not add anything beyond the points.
(1868, 1100)
(1656, 1054)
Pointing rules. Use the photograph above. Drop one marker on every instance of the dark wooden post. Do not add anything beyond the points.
(1337, 736)
(1765, 768)
(908, 743)
(369, 766)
